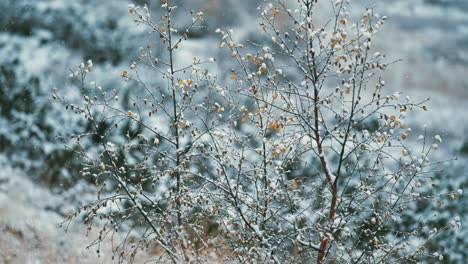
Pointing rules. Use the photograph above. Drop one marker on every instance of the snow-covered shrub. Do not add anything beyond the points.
(68, 23)
(298, 154)
(27, 133)
(38, 43)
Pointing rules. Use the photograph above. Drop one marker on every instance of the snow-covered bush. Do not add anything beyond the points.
(39, 41)
(294, 151)
(27, 133)
(70, 24)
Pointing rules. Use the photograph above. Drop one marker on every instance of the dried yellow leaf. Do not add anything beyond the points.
(255, 61)
(275, 95)
(274, 126)
(293, 185)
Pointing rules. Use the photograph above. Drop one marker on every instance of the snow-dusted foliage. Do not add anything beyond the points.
(293, 151)
(27, 134)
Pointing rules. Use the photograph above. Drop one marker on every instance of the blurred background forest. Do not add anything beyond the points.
(40, 40)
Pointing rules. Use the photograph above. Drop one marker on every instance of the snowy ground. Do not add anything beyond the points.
(29, 226)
